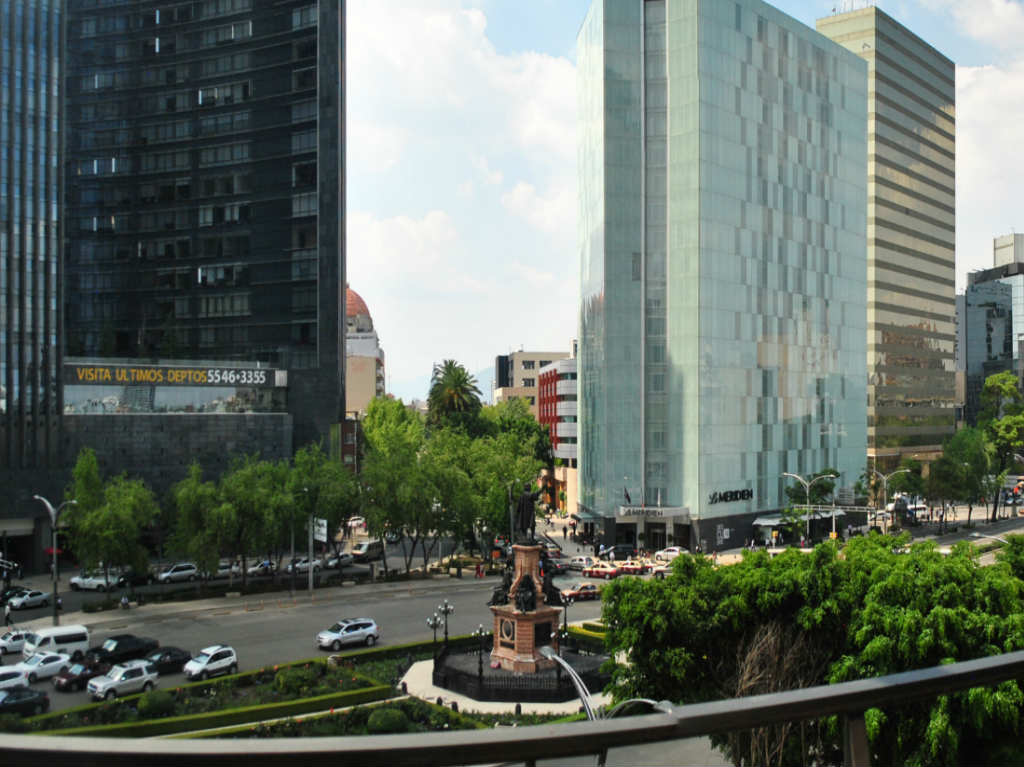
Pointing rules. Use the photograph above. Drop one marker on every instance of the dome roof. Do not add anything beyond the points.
(354, 304)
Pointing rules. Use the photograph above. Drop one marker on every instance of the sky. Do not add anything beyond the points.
(461, 164)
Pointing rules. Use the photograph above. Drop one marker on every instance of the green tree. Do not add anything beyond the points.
(320, 486)
(395, 497)
(969, 449)
(86, 487)
(240, 520)
(454, 398)
(108, 536)
(194, 536)
(1000, 396)
(946, 481)
(445, 467)
(770, 624)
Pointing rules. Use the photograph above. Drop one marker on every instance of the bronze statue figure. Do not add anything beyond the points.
(499, 596)
(552, 596)
(526, 515)
(526, 595)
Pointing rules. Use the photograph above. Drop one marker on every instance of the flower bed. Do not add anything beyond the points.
(305, 679)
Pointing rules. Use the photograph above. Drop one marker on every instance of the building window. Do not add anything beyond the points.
(304, 204)
(304, 17)
(304, 141)
(304, 110)
(224, 154)
(528, 364)
(304, 79)
(219, 95)
(529, 383)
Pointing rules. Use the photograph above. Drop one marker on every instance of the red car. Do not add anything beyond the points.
(582, 591)
(605, 570)
(78, 675)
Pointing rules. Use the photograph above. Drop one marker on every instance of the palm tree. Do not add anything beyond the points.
(453, 395)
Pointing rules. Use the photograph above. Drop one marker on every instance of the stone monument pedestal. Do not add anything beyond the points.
(519, 634)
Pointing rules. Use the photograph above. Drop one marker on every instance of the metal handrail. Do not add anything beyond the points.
(526, 744)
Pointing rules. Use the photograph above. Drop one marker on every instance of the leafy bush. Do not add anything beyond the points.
(12, 723)
(384, 721)
(297, 681)
(156, 703)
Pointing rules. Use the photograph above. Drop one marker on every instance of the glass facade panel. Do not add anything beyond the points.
(723, 232)
(30, 62)
(183, 167)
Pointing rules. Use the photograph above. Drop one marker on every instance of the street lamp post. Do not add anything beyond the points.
(54, 515)
(807, 491)
(434, 623)
(885, 485)
(445, 610)
(480, 634)
(993, 537)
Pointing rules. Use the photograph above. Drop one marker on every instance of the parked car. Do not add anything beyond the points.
(211, 661)
(578, 563)
(131, 578)
(392, 537)
(264, 567)
(94, 581)
(34, 598)
(554, 551)
(301, 565)
(667, 555)
(12, 641)
(42, 665)
(77, 676)
(13, 591)
(11, 678)
(24, 701)
(120, 648)
(339, 560)
(169, 660)
(123, 679)
(183, 571)
(349, 631)
(582, 591)
(604, 570)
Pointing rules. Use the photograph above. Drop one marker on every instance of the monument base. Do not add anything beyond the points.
(518, 637)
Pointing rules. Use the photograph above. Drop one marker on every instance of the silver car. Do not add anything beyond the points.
(348, 632)
(124, 679)
(34, 598)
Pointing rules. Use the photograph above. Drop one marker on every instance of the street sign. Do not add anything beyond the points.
(320, 529)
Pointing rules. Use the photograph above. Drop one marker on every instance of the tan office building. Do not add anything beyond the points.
(516, 374)
(911, 233)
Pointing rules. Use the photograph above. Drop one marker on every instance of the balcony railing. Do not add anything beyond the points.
(527, 744)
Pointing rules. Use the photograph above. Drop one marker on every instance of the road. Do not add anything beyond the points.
(282, 631)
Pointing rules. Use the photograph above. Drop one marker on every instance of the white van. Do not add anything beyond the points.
(367, 551)
(69, 640)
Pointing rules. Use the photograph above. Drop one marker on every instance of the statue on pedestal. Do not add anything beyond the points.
(526, 516)
(500, 594)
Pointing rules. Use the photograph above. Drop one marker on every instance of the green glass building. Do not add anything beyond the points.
(722, 161)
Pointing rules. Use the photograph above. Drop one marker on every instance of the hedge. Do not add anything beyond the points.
(393, 651)
(211, 719)
(220, 733)
(185, 685)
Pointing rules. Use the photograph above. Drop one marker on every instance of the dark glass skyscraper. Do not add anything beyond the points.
(30, 53)
(205, 189)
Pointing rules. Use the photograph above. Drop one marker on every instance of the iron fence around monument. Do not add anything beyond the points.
(458, 671)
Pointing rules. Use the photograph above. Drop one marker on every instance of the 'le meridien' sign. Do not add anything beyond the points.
(729, 496)
(165, 375)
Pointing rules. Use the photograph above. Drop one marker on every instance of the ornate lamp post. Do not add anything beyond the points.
(445, 610)
(480, 634)
(434, 622)
(807, 490)
(54, 514)
(567, 602)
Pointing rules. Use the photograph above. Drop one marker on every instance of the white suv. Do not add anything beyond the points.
(183, 571)
(124, 679)
(211, 661)
(350, 631)
(94, 582)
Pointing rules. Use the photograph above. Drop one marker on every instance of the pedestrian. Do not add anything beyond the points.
(7, 614)
(565, 532)
(60, 603)
(20, 574)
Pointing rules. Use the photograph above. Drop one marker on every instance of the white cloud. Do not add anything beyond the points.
(446, 254)
(997, 22)
(552, 214)
(990, 111)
